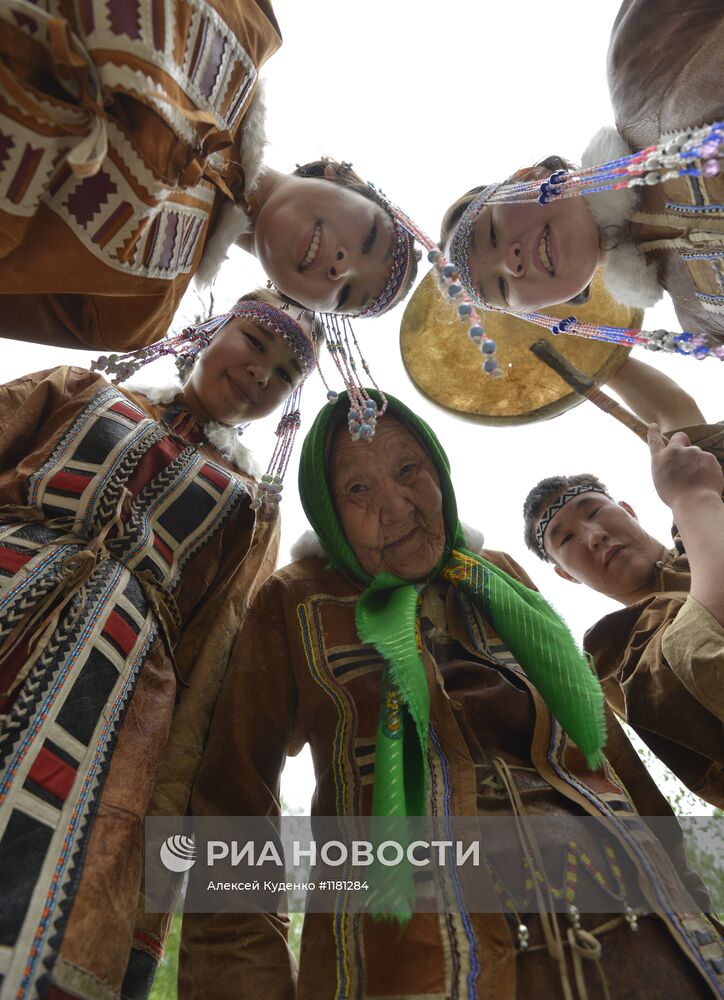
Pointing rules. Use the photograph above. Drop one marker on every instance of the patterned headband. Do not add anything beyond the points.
(282, 323)
(185, 348)
(460, 240)
(402, 258)
(550, 512)
(692, 153)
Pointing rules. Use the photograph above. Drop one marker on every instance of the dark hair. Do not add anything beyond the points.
(543, 494)
(343, 174)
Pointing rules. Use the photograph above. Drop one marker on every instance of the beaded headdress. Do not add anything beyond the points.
(341, 340)
(552, 509)
(402, 257)
(692, 153)
(185, 348)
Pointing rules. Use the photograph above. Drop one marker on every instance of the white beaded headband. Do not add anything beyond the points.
(691, 153)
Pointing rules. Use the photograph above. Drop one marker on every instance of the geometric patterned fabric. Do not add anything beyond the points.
(113, 516)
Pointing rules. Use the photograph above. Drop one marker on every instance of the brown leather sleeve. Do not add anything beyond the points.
(245, 955)
(664, 66)
(643, 688)
(32, 403)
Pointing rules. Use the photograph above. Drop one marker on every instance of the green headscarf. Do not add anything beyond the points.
(386, 618)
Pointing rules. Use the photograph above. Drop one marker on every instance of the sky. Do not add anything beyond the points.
(428, 100)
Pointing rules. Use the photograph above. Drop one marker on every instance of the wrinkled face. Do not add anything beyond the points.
(528, 256)
(324, 245)
(595, 541)
(387, 495)
(245, 373)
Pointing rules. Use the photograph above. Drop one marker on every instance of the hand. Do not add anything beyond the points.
(680, 470)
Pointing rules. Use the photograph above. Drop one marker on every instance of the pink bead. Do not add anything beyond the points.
(709, 149)
(710, 168)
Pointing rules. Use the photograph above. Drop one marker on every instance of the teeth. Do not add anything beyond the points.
(313, 247)
(544, 251)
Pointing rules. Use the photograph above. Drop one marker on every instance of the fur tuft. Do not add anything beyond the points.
(474, 538)
(628, 277)
(227, 443)
(233, 221)
(308, 544)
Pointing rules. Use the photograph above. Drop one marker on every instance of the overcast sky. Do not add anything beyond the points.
(427, 100)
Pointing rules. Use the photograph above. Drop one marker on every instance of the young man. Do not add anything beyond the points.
(660, 658)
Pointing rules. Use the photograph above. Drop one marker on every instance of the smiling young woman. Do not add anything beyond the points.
(129, 549)
(665, 234)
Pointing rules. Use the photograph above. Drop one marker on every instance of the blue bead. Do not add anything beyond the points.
(490, 365)
(489, 347)
(475, 331)
(332, 396)
(434, 256)
(464, 309)
(701, 351)
(370, 405)
(366, 431)
(449, 270)
(543, 200)
(454, 290)
(555, 331)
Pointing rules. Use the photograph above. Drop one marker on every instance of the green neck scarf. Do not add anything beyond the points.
(387, 618)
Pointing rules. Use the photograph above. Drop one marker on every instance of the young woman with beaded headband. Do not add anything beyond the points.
(326, 239)
(129, 549)
(646, 204)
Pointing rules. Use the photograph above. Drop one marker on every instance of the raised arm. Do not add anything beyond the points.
(690, 481)
(654, 397)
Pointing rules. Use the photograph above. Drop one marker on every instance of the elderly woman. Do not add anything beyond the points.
(424, 678)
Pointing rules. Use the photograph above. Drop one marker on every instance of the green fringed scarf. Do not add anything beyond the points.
(387, 618)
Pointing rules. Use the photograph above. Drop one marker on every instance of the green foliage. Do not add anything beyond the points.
(164, 986)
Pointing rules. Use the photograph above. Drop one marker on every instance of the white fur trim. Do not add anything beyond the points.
(474, 539)
(628, 277)
(224, 439)
(155, 393)
(232, 221)
(227, 443)
(610, 208)
(309, 544)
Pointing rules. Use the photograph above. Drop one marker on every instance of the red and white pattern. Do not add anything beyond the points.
(123, 487)
(126, 215)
